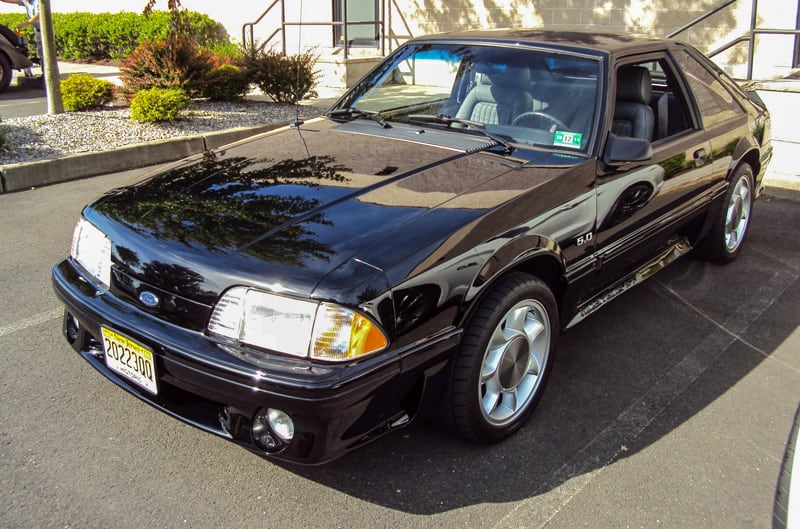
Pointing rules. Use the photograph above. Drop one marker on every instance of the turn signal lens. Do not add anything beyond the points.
(341, 334)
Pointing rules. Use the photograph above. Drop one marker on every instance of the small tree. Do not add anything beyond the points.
(286, 79)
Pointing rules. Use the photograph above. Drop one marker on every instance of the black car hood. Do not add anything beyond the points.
(284, 209)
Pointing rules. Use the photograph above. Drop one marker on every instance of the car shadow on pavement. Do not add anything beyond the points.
(624, 378)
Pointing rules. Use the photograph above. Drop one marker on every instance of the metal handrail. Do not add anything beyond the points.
(694, 22)
(247, 28)
(750, 37)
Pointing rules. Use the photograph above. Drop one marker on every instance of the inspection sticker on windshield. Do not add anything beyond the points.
(568, 139)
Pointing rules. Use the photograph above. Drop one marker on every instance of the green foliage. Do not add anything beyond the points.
(173, 62)
(3, 135)
(226, 83)
(81, 92)
(159, 104)
(227, 53)
(113, 36)
(286, 79)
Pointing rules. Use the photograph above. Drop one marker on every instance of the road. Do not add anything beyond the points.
(18, 101)
(671, 407)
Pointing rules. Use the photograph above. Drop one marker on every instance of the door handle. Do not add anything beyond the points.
(700, 157)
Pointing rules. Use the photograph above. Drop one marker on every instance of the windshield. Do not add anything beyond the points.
(524, 96)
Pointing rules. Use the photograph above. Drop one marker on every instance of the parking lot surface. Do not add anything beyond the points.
(670, 407)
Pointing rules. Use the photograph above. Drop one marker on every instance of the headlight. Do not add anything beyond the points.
(92, 249)
(322, 331)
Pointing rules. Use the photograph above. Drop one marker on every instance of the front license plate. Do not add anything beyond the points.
(130, 360)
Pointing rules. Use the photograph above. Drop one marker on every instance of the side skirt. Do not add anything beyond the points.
(676, 250)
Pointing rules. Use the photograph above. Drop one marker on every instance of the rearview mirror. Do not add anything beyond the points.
(622, 149)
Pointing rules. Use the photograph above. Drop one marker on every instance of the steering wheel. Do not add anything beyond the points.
(555, 123)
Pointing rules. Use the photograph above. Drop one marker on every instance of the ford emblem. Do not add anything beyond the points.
(149, 299)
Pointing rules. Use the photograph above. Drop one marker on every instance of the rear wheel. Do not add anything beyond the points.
(724, 240)
(504, 361)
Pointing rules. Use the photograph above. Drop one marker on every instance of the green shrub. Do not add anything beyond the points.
(174, 62)
(81, 92)
(286, 79)
(114, 36)
(227, 53)
(159, 104)
(226, 83)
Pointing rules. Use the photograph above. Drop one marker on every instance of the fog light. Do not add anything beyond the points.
(281, 424)
(71, 328)
(272, 429)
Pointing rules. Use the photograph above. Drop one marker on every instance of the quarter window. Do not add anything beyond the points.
(716, 103)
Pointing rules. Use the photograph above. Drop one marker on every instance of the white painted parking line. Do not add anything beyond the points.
(31, 321)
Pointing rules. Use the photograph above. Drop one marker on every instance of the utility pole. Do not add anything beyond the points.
(49, 61)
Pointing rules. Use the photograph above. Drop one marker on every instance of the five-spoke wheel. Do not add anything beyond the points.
(504, 360)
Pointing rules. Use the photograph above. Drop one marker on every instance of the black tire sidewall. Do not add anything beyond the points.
(5, 78)
(468, 419)
(713, 246)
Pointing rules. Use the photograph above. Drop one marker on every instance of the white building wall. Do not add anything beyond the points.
(418, 17)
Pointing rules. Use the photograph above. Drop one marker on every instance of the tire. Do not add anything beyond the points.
(5, 72)
(502, 365)
(723, 243)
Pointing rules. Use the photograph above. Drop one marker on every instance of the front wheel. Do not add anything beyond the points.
(724, 240)
(504, 360)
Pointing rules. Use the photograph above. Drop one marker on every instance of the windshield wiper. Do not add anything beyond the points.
(473, 125)
(355, 113)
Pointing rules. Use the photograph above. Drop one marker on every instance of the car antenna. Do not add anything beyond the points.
(297, 120)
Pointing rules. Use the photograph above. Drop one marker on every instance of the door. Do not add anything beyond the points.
(641, 206)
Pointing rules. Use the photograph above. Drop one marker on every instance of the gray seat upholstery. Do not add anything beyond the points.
(498, 97)
(633, 116)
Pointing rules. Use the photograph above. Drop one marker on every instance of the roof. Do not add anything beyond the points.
(610, 43)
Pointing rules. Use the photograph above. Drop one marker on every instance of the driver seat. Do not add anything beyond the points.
(633, 116)
(498, 97)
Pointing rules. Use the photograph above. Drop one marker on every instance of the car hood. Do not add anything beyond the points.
(284, 209)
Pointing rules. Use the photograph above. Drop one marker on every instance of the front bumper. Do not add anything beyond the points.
(335, 408)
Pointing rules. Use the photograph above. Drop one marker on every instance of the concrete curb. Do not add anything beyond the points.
(786, 189)
(21, 176)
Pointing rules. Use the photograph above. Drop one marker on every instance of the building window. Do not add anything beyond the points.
(362, 27)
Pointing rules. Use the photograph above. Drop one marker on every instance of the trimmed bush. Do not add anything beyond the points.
(113, 36)
(159, 104)
(174, 62)
(81, 92)
(226, 83)
(286, 79)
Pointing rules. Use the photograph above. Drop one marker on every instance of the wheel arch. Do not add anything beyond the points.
(534, 255)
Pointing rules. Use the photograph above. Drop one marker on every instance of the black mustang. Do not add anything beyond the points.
(302, 292)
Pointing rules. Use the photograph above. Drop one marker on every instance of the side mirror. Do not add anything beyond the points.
(622, 149)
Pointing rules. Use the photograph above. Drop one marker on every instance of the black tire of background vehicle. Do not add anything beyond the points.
(5, 72)
(723, 242)
(506, 352)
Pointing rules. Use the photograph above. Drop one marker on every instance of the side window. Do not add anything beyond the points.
(660, 110)
(715, 102)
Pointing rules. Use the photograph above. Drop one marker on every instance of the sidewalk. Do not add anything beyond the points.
(782, 98)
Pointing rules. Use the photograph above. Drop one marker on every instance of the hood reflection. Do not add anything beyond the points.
(224, 204)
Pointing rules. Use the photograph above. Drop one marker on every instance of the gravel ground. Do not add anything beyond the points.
(43, 137)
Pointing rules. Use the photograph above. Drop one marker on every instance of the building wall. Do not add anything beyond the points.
(418, 17)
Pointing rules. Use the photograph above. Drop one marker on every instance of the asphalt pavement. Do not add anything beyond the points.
(671, 407)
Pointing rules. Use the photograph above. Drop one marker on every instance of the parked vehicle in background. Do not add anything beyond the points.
(305, 291)
(13, 55)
